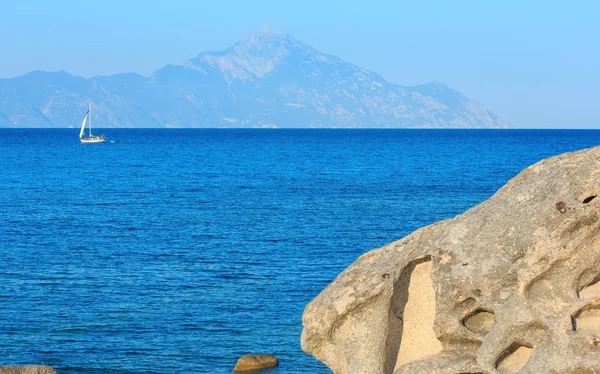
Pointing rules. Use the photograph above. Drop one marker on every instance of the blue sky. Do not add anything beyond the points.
(535, 63)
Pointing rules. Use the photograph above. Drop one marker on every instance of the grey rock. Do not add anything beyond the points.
(28, 369)
(513, 284)
(267, 79)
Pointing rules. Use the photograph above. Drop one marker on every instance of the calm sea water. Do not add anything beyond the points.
(180, 250)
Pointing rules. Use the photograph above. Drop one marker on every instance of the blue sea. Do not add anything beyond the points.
(178, 251)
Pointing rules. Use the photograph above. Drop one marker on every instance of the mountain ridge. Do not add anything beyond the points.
(267, 79)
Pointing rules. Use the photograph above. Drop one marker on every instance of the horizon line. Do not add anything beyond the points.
(307, 128)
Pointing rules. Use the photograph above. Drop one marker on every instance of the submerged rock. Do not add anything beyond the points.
(253, 362)
(511, 285)
(28, 369)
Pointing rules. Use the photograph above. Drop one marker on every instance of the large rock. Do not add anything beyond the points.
(28, 369)
(509, 286)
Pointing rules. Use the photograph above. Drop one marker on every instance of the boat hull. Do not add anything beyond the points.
(93, 139)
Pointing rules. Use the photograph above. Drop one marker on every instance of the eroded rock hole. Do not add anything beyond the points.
(587, 320)
(513, 358)
(479, 321)
(416, 296)
(589, 199)
(592, 289)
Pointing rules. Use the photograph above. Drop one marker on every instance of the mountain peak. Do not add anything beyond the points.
(266, 40)
(268, 32)
(255, 55)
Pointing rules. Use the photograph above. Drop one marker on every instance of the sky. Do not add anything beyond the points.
(534, 63)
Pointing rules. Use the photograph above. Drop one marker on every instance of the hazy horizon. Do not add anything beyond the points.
(533, 63)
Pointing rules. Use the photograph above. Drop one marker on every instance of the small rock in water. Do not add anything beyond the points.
(255, 362)
(28, 369)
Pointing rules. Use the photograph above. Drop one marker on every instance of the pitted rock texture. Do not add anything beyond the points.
(516, 286)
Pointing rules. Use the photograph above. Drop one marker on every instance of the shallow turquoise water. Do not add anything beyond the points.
(181, 250)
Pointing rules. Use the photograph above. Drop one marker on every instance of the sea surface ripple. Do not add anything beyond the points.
(174, 251)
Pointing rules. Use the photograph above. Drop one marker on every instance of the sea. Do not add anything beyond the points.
(178, 251)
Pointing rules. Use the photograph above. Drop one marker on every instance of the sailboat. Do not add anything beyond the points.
(91, 138)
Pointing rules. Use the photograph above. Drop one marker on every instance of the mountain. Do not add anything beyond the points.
(267, 79)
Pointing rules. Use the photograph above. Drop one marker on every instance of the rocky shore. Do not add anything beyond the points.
(511, 285)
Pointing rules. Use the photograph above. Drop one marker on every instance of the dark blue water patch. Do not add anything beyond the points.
(182, 250)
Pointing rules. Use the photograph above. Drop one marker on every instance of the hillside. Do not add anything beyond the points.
(267, 79)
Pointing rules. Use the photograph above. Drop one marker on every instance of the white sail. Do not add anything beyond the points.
(83, 124)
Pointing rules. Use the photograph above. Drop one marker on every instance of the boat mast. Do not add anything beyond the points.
(90, 108)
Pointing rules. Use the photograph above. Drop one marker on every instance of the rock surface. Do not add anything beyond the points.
(28, 369)
(253, 362)
(513, 284)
